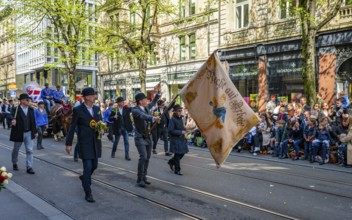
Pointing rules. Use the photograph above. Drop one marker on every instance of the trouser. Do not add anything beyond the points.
(163, 135)
(144, 147)
(296, 144)
(124, 133)
(88, 168)
(256, 144)
(75, 152)
(324, 146)
(48, 104)
(175, 160)
(40, 130)
(7, 119)
(342, 153)
(308, 151)
(110, 132)
(28, 143)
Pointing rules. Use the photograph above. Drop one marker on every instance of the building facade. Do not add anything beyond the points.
(38, 61)
(261, 41)
(182, 46)
(7, 57)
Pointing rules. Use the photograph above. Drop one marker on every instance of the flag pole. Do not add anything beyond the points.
(171, 105)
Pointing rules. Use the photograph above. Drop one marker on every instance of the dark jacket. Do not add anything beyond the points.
(178, 143)
(123, 120)
(310, 133)
(17, 131)
(89, 147)
(296, 134)
(323, 135)
(143, 119)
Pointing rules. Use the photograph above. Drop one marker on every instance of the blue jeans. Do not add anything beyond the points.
(296, 144)
(28, 143)
(316, 144)
(124, 133)
(88, 168)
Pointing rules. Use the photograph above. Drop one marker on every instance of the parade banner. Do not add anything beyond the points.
(221, 114)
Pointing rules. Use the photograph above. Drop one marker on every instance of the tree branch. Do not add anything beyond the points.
(330, 15)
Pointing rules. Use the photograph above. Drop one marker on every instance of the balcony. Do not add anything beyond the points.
(346, 11)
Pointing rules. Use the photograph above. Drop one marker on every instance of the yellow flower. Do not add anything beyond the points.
(92, 123)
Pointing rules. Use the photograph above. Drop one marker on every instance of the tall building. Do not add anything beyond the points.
(261, 40)
(182, 44)
(7, 56)
(36, 60)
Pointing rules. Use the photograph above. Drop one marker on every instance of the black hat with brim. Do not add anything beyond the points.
(88, 91)
(24, 96)
(40, 103)
(177, 107)
(120, 99)
(160, 102)
(140, 96)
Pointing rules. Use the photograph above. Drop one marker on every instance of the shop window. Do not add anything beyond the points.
(287, 8)
(192, 7)
(192, 46)
(242, 13)
(182, 8)
(183, 48)
(245, 78)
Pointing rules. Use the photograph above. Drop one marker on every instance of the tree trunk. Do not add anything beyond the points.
(142, 64)
(308, 66)
(72, 84)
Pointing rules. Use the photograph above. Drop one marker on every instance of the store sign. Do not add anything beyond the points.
(240, 70)
(285, 67)
(12, 86)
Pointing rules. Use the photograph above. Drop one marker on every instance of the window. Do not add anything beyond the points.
(183, 48)
(182, 8)
(242, 14)
(287, 8)
(152, 58)
(192, 7)
(192, 46)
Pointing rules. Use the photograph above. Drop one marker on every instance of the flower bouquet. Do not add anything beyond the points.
(4, 177)
(98, 126)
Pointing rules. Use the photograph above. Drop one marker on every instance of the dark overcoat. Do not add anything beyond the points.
(89, 147)
(124, 119)
(17, 131)
(178, 143)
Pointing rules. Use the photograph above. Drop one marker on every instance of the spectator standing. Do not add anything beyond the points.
(41, 120)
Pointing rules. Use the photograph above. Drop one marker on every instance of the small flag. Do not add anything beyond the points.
(221, 114)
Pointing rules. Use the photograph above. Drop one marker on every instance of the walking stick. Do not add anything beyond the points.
(16, 114)
(171, 105)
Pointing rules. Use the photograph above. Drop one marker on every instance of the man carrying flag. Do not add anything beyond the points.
(225, 117)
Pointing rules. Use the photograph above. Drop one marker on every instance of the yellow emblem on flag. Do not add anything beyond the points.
(220, 112)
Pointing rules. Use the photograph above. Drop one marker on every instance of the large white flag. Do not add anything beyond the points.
(218, 109)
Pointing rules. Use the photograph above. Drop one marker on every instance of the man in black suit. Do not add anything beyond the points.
(85, 117)
(122, 125)
(160, 130)
(23, 130)
(143, 121)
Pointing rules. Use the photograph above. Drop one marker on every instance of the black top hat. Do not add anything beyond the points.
(120, 99)
(88, 91)
(177, 107)
(24, 96)
(160, 102)
(140, 96)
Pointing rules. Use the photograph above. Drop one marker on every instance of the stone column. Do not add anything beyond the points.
(262, 84)
(326, 75)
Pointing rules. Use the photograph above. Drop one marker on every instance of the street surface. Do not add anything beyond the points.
(245, 187)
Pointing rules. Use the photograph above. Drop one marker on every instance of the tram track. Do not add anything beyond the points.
(161, 203)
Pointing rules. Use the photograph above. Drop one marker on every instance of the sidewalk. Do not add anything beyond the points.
(20, 204)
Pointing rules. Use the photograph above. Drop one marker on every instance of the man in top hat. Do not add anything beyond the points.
(122, 125)
(160, 130)
(23, 130)
(143, 120)
(85, 117)
(47, 96)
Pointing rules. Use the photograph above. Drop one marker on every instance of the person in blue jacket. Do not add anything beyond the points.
(41, 120)
(59, 96)
(108, 122)
(322, 140)
(47, 96)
